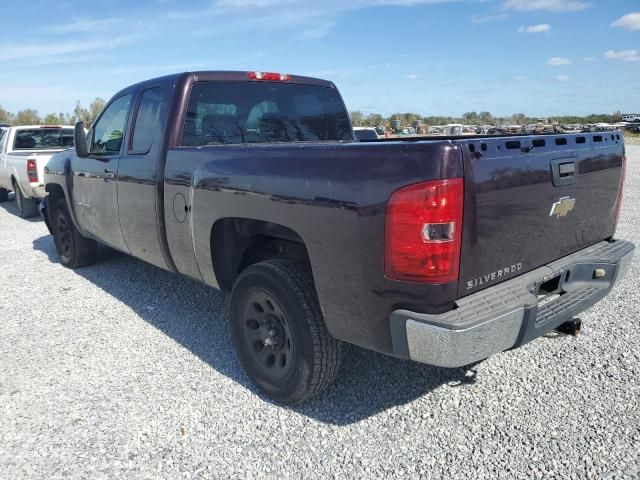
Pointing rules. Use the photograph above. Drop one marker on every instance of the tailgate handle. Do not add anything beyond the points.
(563, 171)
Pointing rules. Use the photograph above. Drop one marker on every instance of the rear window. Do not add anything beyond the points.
(367, 134)
(43, 138)
(221, 113)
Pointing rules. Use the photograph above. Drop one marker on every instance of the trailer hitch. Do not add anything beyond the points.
(572, 327)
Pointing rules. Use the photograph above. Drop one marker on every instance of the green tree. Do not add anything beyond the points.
(471, 118)
(63, 119)
(520, 119)
(486, 118)
(374, 119)
(439, 120)
(52, 119)
(5, 116)
(357, 118)
(88, 115)
(27, 117)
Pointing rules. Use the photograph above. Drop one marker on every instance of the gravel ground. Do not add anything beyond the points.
(123, 370)
(632, 139)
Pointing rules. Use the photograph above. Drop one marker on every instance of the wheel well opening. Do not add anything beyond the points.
(237, 243)
(55, 193)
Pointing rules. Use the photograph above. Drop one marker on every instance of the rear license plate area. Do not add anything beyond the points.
(550, 290)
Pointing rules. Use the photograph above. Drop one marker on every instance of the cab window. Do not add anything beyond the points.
(148, 120)
(108, 133)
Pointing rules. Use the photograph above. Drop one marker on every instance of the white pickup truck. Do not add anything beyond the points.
(24, 151)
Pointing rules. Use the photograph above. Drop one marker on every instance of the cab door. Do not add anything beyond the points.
(140, 178)
(95, 196)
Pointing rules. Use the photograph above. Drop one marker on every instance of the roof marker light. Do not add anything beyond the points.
(269, 76)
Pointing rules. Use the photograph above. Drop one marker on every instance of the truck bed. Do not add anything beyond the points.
(346, 186)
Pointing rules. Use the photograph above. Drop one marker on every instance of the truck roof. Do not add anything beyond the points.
(230, 76)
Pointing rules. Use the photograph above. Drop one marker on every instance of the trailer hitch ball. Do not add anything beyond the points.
(572, 327)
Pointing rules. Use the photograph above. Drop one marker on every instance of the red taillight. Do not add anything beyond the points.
(32, 171)
(623, 174)
(269, 76)
(423, 232)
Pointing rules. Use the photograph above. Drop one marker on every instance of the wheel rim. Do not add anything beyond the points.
(64, 235)
(267, 335)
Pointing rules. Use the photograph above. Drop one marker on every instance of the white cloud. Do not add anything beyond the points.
(558, 61)
(622, 55)
(488, 18)
(84, 25)
(411, 76)
(562, 78)
(327, 5)
(251, 3)
(540, 28)
(30, 51)
(630, 21)
(548, 5)
(308, 19)
(318, 31)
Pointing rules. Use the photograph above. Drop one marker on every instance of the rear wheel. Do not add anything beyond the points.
(279, 333)
(27, 207)
(74, 249)
(4, 195)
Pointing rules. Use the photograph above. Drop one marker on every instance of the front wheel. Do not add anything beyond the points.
(74, 249)
(4, 194)
(279, 333)
(27, 207)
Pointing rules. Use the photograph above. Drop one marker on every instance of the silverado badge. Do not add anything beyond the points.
(562, 207)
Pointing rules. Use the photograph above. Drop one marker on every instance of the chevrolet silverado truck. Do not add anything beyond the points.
(442, 250)
(24, 151)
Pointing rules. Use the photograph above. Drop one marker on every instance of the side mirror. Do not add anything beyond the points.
(80, 140)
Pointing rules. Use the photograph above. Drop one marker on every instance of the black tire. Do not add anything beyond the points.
(74, 249)
(4, 195)
(301, 359)
(27, 207)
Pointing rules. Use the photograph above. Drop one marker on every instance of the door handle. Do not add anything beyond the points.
(563, 171)
(108, 175)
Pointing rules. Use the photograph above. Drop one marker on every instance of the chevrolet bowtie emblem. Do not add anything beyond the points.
(563, 206)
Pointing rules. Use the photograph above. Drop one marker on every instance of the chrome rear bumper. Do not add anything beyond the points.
(512, 313)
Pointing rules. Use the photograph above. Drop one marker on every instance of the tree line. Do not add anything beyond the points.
(88, 115)
(359, 119)
(30, 116)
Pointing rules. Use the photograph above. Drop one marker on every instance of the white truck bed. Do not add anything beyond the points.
(35, 143)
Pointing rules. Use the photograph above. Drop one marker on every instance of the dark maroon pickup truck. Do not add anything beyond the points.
(442, 250)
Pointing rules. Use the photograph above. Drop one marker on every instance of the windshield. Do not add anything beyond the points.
(43, 138)
(263, 112)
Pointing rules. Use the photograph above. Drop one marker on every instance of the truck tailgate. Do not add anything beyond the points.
(530, 200)
(18, 160)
